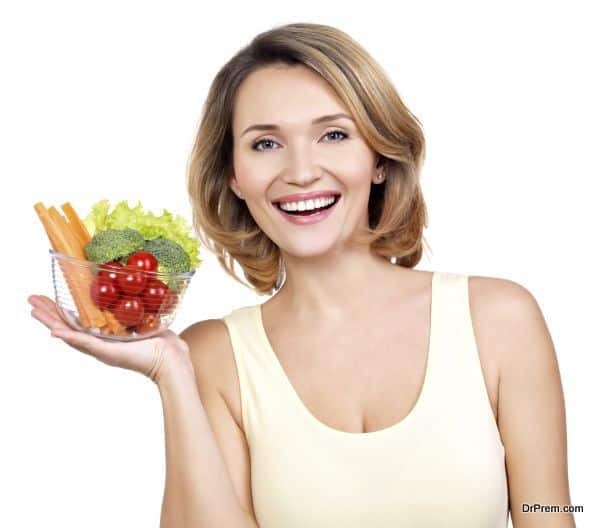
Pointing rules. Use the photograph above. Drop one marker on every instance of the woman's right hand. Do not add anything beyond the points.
(155, 357)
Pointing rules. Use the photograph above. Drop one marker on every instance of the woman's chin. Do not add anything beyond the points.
(311, 249)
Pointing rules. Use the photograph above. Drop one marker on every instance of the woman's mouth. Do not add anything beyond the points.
(311, 216)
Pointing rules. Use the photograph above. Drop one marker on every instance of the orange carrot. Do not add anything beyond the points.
(83, 275)
(78, 277)
(95, 314)
(47, 223)
(59, 244)
(78, 227)
(73, 246)
(76, 224)
(116, 327)
(69, 238)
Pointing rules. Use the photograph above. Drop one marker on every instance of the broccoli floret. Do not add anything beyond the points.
(171, 257)
(113, 244)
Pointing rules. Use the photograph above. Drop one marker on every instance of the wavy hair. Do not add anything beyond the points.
(397, 212)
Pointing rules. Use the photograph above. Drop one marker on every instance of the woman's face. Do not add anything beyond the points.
(299, 157)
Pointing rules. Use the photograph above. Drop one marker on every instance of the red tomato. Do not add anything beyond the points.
(149, 323)
(109, 271)
(170, 302)
(143, 260)
(103, 292)
(129, 310)
(131, 280)
(154, 295)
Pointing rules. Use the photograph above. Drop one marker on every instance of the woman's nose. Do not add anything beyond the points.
(302, 170)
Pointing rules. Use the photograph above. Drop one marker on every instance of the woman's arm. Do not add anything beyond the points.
(531, 410)
(198, 490)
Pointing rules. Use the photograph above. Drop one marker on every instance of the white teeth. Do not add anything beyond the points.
(307, 205)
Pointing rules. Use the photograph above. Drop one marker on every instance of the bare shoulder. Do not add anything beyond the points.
(501, 294)
(502, 311)
(495, 304)
(531, 406)
(212, 357)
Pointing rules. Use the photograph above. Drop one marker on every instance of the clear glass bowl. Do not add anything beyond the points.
(113, 303)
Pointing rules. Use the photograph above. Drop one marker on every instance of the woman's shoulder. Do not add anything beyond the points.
(500, 308)
(498, 298)
(211, 354)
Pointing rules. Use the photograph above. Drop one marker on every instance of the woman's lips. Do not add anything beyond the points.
(309, 219)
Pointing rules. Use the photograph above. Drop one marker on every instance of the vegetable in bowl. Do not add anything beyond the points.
(114, 244)
(123, 282)
(171, 257)
(150, 226)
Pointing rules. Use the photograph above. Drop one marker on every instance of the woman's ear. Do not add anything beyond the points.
(234, 186)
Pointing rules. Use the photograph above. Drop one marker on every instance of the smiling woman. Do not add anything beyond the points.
(363, 392)
(360, 109)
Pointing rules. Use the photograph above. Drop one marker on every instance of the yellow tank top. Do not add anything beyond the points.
(443, 465)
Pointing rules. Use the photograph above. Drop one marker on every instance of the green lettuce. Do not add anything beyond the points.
(167, 225)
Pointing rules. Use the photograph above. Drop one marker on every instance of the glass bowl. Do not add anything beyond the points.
(110, 302)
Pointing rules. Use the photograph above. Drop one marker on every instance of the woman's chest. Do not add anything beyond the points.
(367, 374)
(362, 381)
(412, 481)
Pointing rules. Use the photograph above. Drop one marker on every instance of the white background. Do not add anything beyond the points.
(102, 100)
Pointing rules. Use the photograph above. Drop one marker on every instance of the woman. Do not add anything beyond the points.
(363, 392)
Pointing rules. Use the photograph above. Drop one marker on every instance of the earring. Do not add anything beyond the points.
(379, 176)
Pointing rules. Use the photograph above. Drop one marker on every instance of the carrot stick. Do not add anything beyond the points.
(85, 277)
(59, 244)
(76, 224)
(74, 247)
(95, 315)
(79, 277)
(113, 324)
(78, 227)
(71, 271)
(46, 222)
(116, 327)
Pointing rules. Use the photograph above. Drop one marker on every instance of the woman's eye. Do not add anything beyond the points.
(337, 132)
(265, 142)
(261, 142)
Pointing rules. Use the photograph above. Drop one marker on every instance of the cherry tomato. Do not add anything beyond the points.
(129, 310)
(103, 293)
(154, 295)
(169, 303)
(143, 260)
(109, 271)
(131, 280)
(149, 323)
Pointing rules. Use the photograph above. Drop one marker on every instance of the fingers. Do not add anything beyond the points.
(47, 301)
(52, 322)
(41, 301)
(45, 311)
(111, 353)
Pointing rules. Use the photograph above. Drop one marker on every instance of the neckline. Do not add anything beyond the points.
(311, 418)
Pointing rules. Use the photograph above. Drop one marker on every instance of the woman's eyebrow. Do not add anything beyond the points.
(322, 119)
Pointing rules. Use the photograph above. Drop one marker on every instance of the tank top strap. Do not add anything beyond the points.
(458, 358)
(457, 381)
(255, 369)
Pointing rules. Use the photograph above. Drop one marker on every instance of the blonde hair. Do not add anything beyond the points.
(397, 211)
